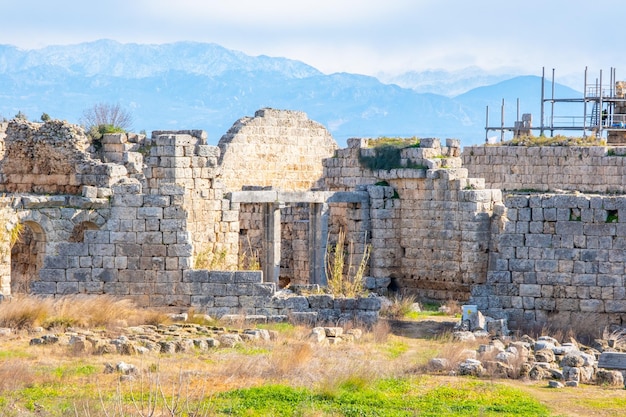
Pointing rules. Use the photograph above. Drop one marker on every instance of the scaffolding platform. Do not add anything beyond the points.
(604, 112)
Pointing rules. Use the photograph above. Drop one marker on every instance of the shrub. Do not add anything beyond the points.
(212, 258)
(342, 279)
(400, 306)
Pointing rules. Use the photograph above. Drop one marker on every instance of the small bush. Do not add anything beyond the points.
(212, 258)
(21, 312)
(343, 280)
(400, 306)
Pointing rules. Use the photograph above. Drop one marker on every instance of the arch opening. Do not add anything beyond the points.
(27, 257)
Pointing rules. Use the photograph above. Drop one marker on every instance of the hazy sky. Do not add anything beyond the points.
(359, 36)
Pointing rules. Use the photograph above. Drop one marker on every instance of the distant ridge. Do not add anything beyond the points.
(190, 85)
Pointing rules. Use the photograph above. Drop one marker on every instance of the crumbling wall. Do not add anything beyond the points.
(3, 135)
(51, 158)
(277, 148)
(596, 169)
(430, 226)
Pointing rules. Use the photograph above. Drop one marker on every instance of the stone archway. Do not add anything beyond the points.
(27, 257)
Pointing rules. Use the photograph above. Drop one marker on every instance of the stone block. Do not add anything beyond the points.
(530, 290)
(56, 262)
(592, 306)
(222, 277)
(78, 274)
(264, 289)
(198, 275)
(227, 301)
(43, 288)
(178, 250)
(308, 318)
(297, 303)
(368, 318)
(321, 301)
(52, 275)
(248, 277)
(369, 303)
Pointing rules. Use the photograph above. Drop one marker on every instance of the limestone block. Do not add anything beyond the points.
(530, 290)
(592, 306)
(41, 287)
(227, 301)
(52, 275)
(114, 138)
(369, 303)
(116, 288)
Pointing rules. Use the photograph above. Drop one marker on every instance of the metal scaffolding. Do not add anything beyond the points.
(604, 112)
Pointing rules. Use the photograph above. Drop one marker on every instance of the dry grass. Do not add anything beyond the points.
(15, 374)
(185, 378)
(452, 307)
(454, 353)
(22, 312)
(343, 279)
(400, 306)
(558, 140)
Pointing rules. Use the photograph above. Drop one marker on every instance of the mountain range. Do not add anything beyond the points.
(188, 85)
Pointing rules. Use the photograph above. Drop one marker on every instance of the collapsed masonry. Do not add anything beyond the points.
(159, 219)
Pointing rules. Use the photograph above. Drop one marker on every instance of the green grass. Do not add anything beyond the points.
(387, 397)
(419, 315)
(250, 350)
(617, 404)
(279, 327)
(51, 399)
(412, 142)
(14, 354)
(75, 370)
(396, 348)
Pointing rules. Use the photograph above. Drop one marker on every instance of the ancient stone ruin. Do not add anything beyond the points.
(169, 220)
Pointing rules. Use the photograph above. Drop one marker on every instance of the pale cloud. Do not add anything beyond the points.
(359, 36)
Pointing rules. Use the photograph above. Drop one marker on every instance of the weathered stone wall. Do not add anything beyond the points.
(596, 169)
(557, 258)
(133, 238)
(243, 292)
(430, 226)
(141, 212)
(51, 158)
(278, 148)
(3, 135)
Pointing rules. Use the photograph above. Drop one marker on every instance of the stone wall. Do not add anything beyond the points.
(557, 258)
(276, 148)
(51, 158)
(596, 169)
(430, 226)
(3, 135)
(133, 238)
(243, 292)
(135, 217)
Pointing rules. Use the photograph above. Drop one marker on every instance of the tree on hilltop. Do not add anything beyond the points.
(106, 118)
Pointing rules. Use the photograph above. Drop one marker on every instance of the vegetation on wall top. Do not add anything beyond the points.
(558, 140)
(387, 152)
